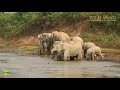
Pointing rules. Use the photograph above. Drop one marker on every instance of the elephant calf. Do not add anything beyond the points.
(86, 46)
(93, 52)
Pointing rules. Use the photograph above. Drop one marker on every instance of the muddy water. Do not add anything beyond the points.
(33, 66)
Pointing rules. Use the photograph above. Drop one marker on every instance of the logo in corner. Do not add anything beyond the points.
(5, 72)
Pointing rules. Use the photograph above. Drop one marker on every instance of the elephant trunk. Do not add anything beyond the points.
(53, 56)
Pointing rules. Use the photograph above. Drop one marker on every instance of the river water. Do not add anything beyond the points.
(33, 66)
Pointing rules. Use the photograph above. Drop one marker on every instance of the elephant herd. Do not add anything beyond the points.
(64, 47)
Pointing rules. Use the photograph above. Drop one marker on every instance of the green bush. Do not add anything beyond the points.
(16, 23)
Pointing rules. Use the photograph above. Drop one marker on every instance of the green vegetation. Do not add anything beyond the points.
(102, 39)
(12, 24)
(107, 50)
(2, 45)
(103, 33)
(27, 49)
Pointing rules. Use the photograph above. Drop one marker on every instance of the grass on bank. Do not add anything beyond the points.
(4, 45)
(27, 49)
(108, 50)
(102, 39)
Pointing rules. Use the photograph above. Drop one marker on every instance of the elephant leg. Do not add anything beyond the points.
(87, 57)
(53, 56)
(60, 56)
(85, 51)
(101, 56)
(40, 51)
(73, 57)
(49, 50)
(66, 57)
(46, 51)
(79, 57)
(92, 56)
(95, 57)
(43, 50)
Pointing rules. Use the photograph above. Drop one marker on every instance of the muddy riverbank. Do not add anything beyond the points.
(109, 54)
(23, 62)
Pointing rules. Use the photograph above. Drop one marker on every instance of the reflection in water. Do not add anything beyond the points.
(29, 66)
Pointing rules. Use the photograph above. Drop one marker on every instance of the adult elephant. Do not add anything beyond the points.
(77, 38)
(47, 41)
(40, 44)
(44, 43)
(86, 46)
(68, 49)
(59, 36)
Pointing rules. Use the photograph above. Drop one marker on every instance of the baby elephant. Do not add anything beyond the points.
(93, 52)
(86, 46)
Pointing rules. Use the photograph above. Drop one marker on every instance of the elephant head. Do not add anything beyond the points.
(57, 42)
(47, 38)
(44, 35)
(88, 54)
(40, 38)
(57, 49)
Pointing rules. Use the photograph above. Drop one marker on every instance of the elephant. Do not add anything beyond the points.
(93, 52)
(47, 41)
(57, 42)
(74, 38)
(45, 47)
(86, 46)
(59, 56)
(46, 36)
(44, 43)
(69, 49)
(40, 45)
(77, 38)
(59, 36)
